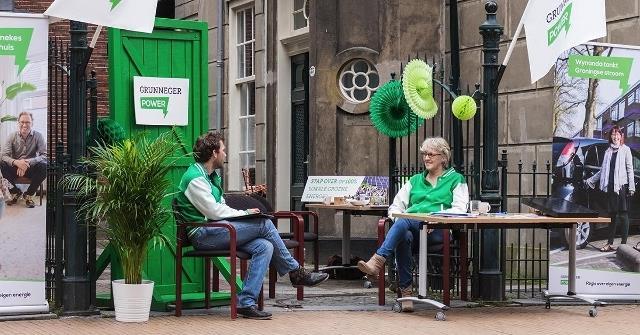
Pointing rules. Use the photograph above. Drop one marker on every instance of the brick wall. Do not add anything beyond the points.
(60, 30)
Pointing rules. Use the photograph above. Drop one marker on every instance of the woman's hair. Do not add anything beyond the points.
(437, 144)
(205, 145)
(616, 129)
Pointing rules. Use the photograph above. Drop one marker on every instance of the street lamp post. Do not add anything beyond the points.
(490, 272)
(76, 283)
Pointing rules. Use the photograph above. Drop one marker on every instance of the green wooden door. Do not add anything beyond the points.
(175, 49)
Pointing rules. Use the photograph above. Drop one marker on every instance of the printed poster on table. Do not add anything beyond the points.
(374, 188)
(597, 94)
(23, 109)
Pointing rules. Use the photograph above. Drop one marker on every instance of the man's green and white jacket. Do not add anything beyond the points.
(201, 197)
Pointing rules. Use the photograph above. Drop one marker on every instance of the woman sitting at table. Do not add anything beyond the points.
(439, 188)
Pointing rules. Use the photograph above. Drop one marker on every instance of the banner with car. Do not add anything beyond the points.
(23, 119)
(596, 164)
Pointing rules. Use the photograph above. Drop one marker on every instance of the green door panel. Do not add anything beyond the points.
(175, 49)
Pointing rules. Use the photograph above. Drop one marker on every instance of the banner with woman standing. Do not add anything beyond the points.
(596, 164)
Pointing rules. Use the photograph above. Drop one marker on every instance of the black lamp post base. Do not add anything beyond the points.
(75, 302)
(490, 286)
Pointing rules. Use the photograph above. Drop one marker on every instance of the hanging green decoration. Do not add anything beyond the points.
(417, 84)
(463, 107)
(110, 131)
(390, 113)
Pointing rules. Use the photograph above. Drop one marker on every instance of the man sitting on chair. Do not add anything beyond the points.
(201, 197)
(24, 155)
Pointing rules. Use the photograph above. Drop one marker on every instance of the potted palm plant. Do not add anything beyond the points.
(124, 195)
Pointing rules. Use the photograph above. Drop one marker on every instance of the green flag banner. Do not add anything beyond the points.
(114, 3)
(15, 42)
(161, 103)
(599, 67)
(563, 23)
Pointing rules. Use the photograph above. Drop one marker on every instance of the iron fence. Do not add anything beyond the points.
(526, 258)
(525, 252)
(57, 146)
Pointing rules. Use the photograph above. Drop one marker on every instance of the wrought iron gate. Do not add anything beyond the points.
(57, 146)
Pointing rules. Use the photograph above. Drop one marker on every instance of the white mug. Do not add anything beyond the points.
(477, 207)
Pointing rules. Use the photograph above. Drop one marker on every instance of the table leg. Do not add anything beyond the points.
(572, 260)
(422, 263)
(346, 238)
(446, 261)
(463, 265)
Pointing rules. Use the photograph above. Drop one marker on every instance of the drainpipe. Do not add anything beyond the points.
(220, 66)
(458, 158)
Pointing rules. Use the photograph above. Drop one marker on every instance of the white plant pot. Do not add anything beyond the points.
(132, 301)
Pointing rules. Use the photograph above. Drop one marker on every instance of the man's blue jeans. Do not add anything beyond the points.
(400, 239)
(260, 239)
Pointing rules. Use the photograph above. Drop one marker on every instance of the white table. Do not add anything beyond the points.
(516, 220)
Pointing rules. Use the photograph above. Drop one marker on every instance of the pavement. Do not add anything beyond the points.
(347, 307)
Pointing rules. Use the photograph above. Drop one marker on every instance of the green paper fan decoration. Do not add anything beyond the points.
(417, 84)
(464, 107)
(110, 131)
(390, 113)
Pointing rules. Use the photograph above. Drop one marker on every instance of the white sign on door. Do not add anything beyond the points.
(161, 101)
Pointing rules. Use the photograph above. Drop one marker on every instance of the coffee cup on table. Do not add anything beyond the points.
(338, 201)
(477, 207)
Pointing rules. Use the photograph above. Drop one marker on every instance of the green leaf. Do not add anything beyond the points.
(8, 118)
(12, 91)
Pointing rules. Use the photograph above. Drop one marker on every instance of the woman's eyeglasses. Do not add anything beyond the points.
(429, 154)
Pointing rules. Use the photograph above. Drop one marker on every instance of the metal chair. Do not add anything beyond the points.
(309, 236)
(435, 252)
(182, 243)
(293, 241)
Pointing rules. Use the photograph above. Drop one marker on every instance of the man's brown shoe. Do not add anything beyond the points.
(14, 199)
(28, 201)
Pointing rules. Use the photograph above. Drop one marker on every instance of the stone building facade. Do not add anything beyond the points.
(332, 38)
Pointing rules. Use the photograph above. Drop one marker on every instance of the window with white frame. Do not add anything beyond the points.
(599, 123)
(637, 130)
(248, 127)
(621, 109)
(630, 130)
(614, 113)
(300, 14)
(246, 88)
(245, 42)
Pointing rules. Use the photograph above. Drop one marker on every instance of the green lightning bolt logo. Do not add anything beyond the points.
(114, 3)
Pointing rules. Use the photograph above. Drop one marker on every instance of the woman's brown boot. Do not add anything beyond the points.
(407, 306)
(373, 266)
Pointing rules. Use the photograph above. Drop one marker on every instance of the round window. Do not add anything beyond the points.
(358, 80)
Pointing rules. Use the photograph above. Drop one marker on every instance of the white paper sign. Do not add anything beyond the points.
(594, 281)
(319, 187)
(161, 101)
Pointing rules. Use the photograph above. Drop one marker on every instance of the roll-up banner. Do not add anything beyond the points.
(596, 164)
(23, 134)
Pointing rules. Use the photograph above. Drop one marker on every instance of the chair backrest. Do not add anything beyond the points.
(243, 201)
(181, 231)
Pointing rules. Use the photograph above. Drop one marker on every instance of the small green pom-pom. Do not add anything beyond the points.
(464, 107)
